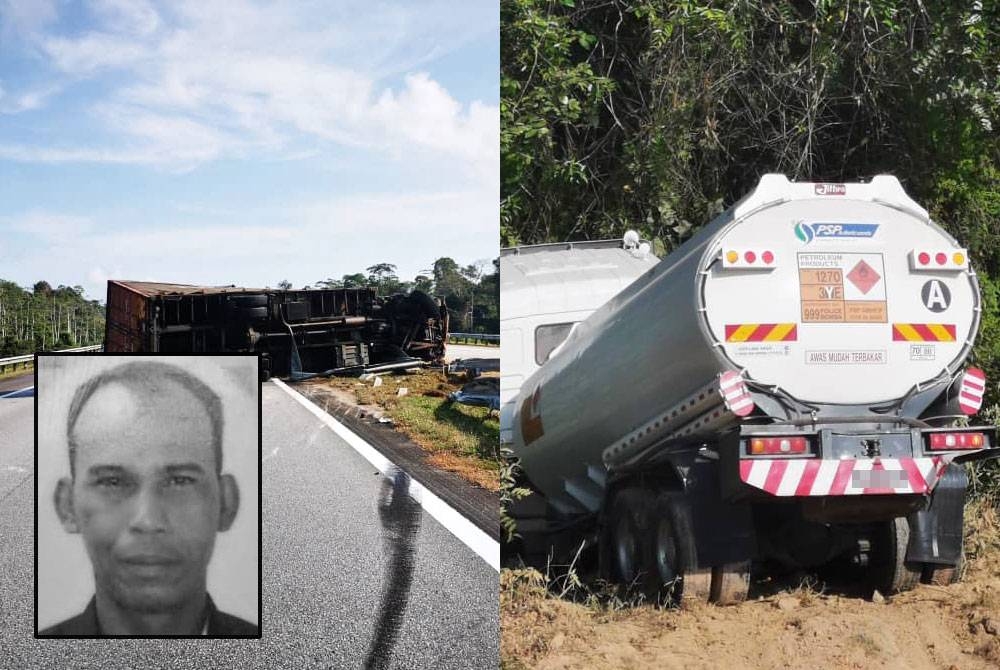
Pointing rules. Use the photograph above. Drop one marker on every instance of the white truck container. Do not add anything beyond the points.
(806, 346)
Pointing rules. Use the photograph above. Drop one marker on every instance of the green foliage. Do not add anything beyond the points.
(471, 293)
(667, 111)
(46, 318)
(509, 492)
(655, 115)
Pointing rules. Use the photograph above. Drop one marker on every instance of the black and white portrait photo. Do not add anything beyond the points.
(147, 496)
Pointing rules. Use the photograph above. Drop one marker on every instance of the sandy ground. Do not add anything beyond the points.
(931, 627)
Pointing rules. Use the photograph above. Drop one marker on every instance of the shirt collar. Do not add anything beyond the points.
(90, 616)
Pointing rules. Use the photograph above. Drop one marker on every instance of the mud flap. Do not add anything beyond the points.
(936, 533)
(722, 531)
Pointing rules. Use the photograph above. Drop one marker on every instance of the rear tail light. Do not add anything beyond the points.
(949, 441)
(749, 259)
(778, 446)
(938, 260)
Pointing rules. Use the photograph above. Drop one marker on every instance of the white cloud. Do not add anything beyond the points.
(128, 16)
(25, 17)
(303, 243)
(84, 55)
(26, 100)
(48, 226)
(223, 78)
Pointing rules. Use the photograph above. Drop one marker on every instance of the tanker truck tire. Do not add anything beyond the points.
(891, 572)
(943, 575)
(730, 583)
(673, 548)
(626, 552)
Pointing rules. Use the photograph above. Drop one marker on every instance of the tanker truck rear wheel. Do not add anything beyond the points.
(730, 583)
(943, 575)
(626, 547)
(673, 549)
(890, 571)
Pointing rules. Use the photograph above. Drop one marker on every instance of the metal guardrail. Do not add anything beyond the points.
(13, 361)
(465, 338)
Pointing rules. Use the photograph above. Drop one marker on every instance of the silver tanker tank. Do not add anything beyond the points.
(802, 297)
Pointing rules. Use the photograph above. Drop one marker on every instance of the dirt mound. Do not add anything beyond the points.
(930, 627)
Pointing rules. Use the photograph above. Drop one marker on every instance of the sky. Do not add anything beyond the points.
(244, 143)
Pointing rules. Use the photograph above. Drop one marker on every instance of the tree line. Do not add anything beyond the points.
(658, 114)
(45, 319)
(471, 292)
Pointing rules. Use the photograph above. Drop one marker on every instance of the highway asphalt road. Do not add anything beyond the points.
(16, 383)
(455, 351)
(325, 558)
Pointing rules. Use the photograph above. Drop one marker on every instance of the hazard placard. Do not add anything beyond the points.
(842, 288)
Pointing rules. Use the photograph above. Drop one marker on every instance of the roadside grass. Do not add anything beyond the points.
(18, 372)
(457, 438)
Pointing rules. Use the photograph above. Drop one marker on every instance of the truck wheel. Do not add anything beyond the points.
(943, 575)
(253, 313)
(891, 572)
(730, 583)
(626, 548)
(697, 587)
(247, 301)
(673, 550)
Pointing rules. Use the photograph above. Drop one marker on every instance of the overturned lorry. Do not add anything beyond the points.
(788, 386)
(298, 332)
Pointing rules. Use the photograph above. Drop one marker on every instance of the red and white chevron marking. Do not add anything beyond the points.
(970, 395)
(735, 394)
(830, 477)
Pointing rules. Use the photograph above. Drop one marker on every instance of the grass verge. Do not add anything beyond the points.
(8, 374)
(457, 438)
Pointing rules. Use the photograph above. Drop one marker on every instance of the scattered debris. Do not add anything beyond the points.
(786, 604)
(401, 391)
(482, 392)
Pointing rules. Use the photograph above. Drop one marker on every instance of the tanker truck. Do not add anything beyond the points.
(789, 387)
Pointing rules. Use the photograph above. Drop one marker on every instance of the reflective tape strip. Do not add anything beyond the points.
(738, 406)
(782, 332)
(970, 395)
(824, 478)
(789, 477)
(735, 394)
(790, 480)
(761, 332)
(923, 332)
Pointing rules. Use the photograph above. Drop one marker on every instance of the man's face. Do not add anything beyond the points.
(146, 496)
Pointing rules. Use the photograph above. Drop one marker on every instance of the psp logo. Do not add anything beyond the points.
(807, 232)
(804, 232)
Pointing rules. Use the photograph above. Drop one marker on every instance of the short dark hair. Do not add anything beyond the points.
(147, 376)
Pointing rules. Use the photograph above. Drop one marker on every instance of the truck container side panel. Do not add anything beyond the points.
(329, 328)
(125, 325)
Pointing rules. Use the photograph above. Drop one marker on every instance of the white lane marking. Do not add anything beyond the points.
(17, 391)
(467, 532)
(14, 468)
